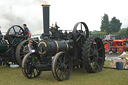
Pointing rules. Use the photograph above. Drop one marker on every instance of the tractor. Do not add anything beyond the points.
(115, 45)
(60, 51)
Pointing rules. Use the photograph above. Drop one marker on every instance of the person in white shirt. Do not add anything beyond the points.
(108, 37)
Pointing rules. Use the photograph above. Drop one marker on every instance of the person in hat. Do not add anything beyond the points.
(29, 48)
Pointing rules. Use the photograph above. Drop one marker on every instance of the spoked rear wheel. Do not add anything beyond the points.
(93, 55)
(61, 66)
(28, 65)
(19, 51)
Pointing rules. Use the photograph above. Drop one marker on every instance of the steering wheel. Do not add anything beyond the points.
(15, 34)
(80, 33)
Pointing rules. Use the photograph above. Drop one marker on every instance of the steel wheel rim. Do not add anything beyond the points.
(62, 66)
(20, 51)
(28, 66)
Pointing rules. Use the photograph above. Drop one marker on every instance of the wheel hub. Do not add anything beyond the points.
(96, 52)
(63, 66)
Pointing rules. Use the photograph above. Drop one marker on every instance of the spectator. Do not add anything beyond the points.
(122, 58)
(26, 30)
(29, 48)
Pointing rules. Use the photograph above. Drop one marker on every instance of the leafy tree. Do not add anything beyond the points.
(110, 26)
(104, 23)
(124, 33)
(115, 25)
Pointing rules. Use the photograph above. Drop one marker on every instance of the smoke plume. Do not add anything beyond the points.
(12, 18)
(41, 1)
(18, 12)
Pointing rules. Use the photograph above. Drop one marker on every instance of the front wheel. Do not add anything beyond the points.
(28, 65)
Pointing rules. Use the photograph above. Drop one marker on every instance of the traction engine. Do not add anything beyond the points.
(11, 45)
(60, 51)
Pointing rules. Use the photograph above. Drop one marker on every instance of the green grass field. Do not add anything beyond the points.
(9, 76)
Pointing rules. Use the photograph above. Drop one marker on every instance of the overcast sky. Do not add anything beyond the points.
(65, 12)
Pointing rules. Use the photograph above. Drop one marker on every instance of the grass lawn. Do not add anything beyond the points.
(9, 76)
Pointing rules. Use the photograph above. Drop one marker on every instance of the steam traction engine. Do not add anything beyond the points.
(11, 45)
(60, 51)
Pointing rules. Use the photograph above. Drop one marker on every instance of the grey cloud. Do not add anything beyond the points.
(19, 12)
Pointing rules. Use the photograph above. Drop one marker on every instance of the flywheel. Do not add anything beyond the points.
(80, 33)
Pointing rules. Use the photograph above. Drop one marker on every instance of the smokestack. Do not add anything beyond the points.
(46, 19)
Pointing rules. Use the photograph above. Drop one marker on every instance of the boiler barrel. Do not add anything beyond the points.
(51, 47)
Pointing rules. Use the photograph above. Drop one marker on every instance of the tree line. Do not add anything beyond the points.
(113, 27)
(110, 26)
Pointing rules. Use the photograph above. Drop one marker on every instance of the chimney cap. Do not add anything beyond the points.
(45, 5)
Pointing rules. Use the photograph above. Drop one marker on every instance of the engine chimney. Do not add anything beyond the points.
(46, 19)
